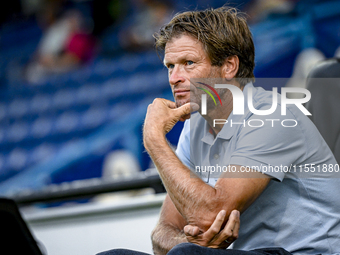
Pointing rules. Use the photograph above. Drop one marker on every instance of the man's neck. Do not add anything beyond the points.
(220, 112)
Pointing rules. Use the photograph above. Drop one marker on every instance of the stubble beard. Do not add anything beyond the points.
(180, 102)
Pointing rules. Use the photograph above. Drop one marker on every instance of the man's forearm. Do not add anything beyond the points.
(165, 237)
(189, 195)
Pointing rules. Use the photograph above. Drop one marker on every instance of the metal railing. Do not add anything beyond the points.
(87, 188)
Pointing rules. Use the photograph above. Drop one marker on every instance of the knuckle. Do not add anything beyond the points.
(215, 230)
(229, 233)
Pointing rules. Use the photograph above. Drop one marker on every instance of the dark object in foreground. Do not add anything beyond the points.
(16, 238)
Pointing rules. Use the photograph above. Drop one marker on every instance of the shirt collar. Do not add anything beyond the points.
(228, 131)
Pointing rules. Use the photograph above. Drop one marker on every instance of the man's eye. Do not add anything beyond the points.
(171, 66)
(190, 62)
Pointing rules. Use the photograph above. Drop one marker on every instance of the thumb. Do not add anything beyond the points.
(187, 230)
(187, 109)
(191, 230)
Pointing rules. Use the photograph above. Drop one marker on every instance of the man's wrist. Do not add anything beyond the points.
(152, 137)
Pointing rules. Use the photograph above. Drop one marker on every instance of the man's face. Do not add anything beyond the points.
(185, 58)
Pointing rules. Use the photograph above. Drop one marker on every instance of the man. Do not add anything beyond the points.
(282, 212)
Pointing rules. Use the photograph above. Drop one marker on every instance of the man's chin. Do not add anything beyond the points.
(179, 103)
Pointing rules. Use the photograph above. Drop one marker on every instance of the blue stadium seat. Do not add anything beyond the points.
(17, 159)
(17, 132)
(63, 99)
(94, 117)
(40, 103)
(2, 134)
(42, 152)
(3, 111)
(87, 94)
(67, 122)
(18, 107)
(41, 127)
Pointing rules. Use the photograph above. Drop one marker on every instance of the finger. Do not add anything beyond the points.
(228, 232)
(185, 117)
(170, 104)
(187, 109)
(194, 107)
(191, 230)
(237, 224)
(215, 228)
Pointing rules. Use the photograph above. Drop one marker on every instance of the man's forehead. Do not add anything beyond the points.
(184, 45)
(182, 39)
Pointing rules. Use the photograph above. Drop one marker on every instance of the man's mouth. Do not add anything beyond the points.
(181, 92)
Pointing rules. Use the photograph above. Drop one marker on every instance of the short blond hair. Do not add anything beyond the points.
(223, 32)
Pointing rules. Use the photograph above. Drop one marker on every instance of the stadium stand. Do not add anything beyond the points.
(61, 129)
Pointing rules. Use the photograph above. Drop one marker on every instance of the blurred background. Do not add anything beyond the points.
(75, 80)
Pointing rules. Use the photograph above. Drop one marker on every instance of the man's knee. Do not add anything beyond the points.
(112, 252)
(185, 249)
(121, 252)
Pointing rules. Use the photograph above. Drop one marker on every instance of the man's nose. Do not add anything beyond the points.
(176, 76)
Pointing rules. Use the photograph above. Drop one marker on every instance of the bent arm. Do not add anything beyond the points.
(196, 201)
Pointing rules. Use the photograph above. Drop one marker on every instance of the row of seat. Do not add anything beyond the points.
(109, 91)
(37, 122)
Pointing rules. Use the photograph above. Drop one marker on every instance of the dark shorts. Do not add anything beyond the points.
(189, 248)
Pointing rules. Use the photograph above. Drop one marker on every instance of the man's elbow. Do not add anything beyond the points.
(157, 249)
(154, 235)
(204, 216)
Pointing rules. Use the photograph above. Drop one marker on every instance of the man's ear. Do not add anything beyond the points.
(230, 67)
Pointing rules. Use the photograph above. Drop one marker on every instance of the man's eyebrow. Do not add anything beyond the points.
(180, 59)
(165, 62)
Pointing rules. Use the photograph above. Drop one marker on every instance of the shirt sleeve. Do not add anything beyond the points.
(272, 148)
(183, 145)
